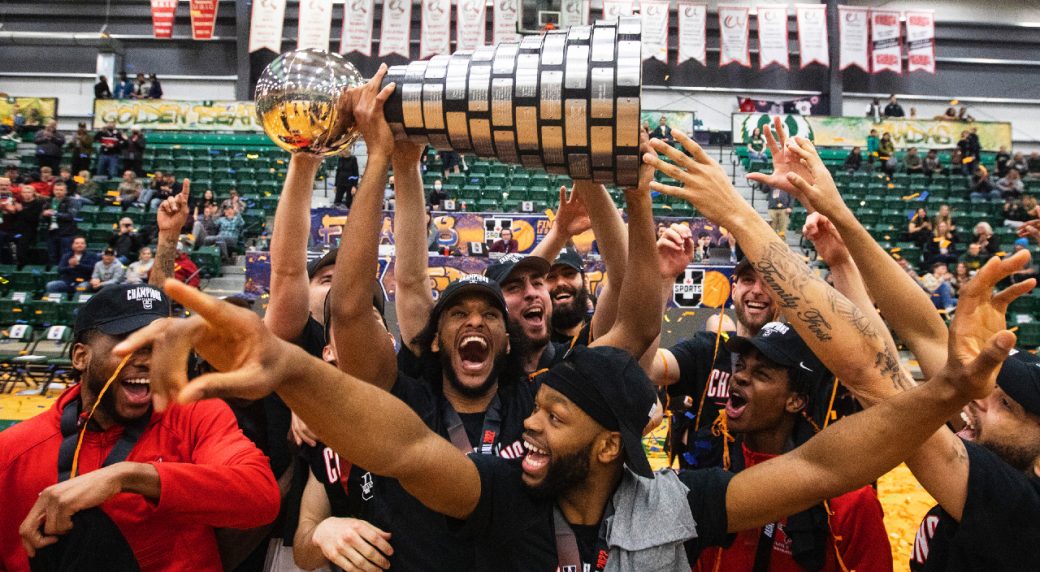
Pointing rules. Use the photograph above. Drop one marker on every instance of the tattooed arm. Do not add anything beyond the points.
(170, 218)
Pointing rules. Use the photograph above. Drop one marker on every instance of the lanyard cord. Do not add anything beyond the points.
(93, 408)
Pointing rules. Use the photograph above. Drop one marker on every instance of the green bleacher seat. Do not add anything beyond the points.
(208, 260)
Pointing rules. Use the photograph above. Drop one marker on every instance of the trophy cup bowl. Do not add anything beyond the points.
(296, 102)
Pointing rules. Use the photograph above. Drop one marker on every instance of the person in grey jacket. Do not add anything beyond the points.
(107, 271)
(49, 146)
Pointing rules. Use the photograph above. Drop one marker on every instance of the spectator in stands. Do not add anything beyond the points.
(347, 176)
(125, 87)
(1033, 165)
(184, 268)
(949, 115)
(887, 154)
(76, 268)
(1032, 208)
(945, 215)
(13, 176)
(1001, 162)
(437, 195)
(107, 271)
(779, 206)
(228, 234)
(505, 244)
(111, 140)
(137, 272)
(1015, 214)
(133, 151)
(129, 189)
(873, 144)
(234, 201)
(451, 162)
(913, 113)
(969, 157)
(126, 241)
(82, 147)
(205, 224)
(49, 146)
(961, 275)
(920, 229)
(155, 90)
(912, 162)
(141, 87)
(932, 165)
(101, 89)
(987, 241)
(198, 203)
(893, 109)
(65, 176)
(25, 223)
(973, 258)
(1011, 186)
(702, 248)
(938, 283)
(874, 110)
(43, 182)
(962, 114)
(854, 161)
(388, 194)
(87, 191)
(1018, 162)
(664, 132)
(62, 226)
(981, 189)
(943, 246)
(756, 147)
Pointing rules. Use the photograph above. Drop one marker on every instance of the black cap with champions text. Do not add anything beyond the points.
(504, 267)
(122, 308)
(608, 384)
(570, 257)
(781, 344)
(467, 285)
(1019, 377)
(327, 259)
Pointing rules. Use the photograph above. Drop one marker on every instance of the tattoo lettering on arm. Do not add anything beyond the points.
(888, 366)
(818, 325)
(163, 267)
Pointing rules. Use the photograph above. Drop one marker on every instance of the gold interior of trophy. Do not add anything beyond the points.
(307, 125)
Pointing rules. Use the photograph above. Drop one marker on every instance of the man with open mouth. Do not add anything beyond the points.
(775, 379)
(569, 291)
(165, 480)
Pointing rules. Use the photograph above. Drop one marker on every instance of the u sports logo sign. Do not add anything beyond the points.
(700, 288)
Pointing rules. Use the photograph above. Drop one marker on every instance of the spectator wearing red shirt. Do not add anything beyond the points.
(505, 243)
(775, 379)
(155, 484)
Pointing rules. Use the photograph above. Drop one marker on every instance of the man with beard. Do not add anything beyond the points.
(984, 478)
(775, 378)
(569, 293)
(165, 479)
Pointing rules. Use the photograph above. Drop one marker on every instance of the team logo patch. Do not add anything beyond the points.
(688, 288)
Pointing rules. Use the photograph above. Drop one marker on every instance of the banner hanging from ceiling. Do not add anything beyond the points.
(613, 9)
(358, 16)
(163, 12)
(693, 21)
(574, 13)
(203, 18)
(470, 24)
(396, 34)
(886, 42)
(506, 19)
(435, 30)
(920, 40)
(812, 35)
(854, 37)
(733, 36)
(655, 29)
(315, 22)
(772, 36)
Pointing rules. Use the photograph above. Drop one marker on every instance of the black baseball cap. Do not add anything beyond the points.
(1019, 377)
(122, 308)
(608, 384)
(467, 285)
(504, 267)
(742, 267)
(781, 344)
(570, 257)
(328, 259)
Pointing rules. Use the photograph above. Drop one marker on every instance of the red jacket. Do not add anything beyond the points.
(210, 474)
(857, 523)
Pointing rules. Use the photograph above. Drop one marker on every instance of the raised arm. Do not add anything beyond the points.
(572, 219)
(348, 414)
(413, 298)
(170, 218)
(289, 306)
(363, 347)
(674, 253)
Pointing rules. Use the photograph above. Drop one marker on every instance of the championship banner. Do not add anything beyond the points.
(357, 27)
(506, 19)
(203, 18)
(613, 9)
(396, 34)
(265, 26)
(37, 111)
(853, 27)
(772, 36)
(172, 115)
(828, 131)
(885, 41)
(733, 36)
(812, 35)
(163, 12)
(435, 30)
(470, 24)
(655, 30)
(315, 21)
(573, 13)
(693, 21)
(920, 40)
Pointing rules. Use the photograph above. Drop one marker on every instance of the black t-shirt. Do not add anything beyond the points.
(553, 354)
(699, 375)
(999, 528)
(582, 339)
(514, 531)
(312, 338)
(337, 476)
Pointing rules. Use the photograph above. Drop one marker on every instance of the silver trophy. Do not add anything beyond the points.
(567, 102)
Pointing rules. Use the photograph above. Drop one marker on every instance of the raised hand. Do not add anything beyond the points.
(829, 244)
(368, 111)
(818, 192)
(172, 213)
(572, 218)
(407, 153)
(674, 250)
(232, 339)
(783, 161)
(353, 544)
(646, 170)
(704, 184)
(979, 340)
